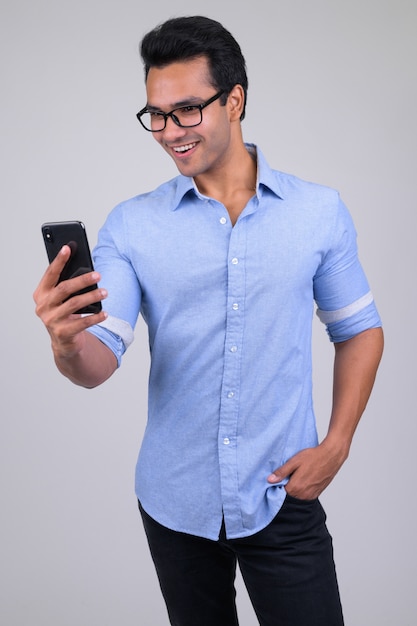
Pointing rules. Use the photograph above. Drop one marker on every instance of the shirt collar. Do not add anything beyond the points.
(185, 185)
(266, 177)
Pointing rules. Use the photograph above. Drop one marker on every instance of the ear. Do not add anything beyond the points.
(235, 102)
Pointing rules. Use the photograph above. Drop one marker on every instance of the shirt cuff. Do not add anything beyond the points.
(116, 334)
(329, 317)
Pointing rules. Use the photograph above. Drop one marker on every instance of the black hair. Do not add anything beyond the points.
(187, 38)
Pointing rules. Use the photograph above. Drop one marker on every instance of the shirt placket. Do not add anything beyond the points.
(230, 393)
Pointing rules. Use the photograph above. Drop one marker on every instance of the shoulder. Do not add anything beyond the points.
(143, 215)
(310, 206)
(161, 198)
(295, 188)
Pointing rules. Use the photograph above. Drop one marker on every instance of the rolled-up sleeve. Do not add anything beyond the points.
(341, 290)
(111, 258)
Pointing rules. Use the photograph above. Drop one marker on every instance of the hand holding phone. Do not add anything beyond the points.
(73, 234)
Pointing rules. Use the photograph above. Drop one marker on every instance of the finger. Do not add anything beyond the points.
(82, 301)
(52, 273)
(55, 305)
(67, 288)
(56, 266)
(74, 324)
(64, 324)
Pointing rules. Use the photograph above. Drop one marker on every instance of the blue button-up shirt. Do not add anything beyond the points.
(229, 311)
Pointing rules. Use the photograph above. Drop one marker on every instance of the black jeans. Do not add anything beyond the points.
(288, 570)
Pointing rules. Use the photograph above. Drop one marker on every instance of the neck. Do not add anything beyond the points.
(236, 176)
(234, 185)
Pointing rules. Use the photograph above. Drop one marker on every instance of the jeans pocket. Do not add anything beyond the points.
(296, 500)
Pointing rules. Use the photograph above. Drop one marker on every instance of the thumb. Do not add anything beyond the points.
(280, 473)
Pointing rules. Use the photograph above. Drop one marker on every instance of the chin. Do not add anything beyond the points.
(187, 170)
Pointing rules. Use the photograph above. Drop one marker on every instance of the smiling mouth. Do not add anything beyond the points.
(185, 148)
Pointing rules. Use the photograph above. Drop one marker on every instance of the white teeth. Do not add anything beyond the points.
(184, 148)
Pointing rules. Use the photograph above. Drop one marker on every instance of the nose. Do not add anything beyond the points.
(172, 131)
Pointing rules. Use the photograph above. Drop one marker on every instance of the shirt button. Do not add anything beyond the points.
(235, 261)
(233, 349)
(226, 441)
(223, 220)
(235, 306)
(231, 394)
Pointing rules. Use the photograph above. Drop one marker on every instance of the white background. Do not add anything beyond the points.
(332, 98)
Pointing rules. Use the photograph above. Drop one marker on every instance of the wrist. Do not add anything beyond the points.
(67, 350)
(337, 447)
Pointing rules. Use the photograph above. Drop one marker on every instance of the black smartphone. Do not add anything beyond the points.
(73, 234)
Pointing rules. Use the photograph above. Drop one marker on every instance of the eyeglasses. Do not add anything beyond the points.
(185, 117)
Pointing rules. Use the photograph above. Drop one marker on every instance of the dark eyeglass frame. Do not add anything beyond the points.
(174, 118)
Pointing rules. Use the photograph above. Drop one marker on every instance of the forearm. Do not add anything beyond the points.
(89, 366)
(311, 470)
(355, 366)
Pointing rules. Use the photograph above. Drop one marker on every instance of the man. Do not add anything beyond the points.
(224, 262)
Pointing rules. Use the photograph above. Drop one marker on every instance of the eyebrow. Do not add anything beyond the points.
(177, 105)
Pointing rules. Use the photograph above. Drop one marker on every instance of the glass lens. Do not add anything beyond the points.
(188, 116)
(152, 121)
